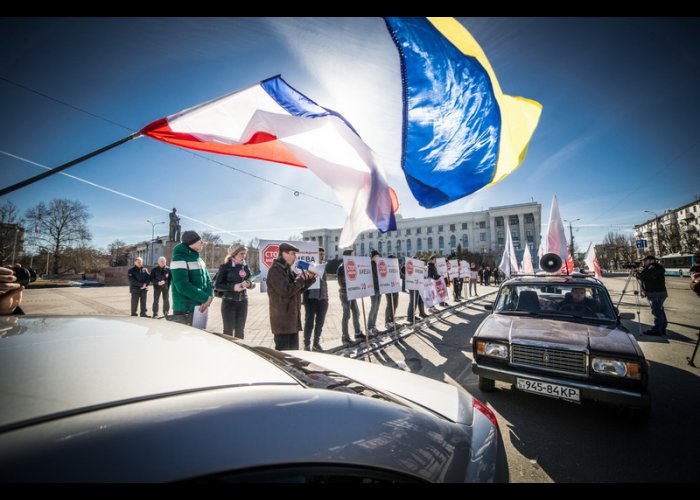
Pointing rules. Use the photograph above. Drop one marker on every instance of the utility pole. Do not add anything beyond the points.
(571, 235)
(153, 237)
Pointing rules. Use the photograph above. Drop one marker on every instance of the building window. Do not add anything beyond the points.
(362, 236)
(465, 242)
(440, 228)
(516, 245)
(464, 225)
(362, 249)
(513, 220)
(430, 242)
(379, 247)
(515, 233)
(418, 230)
(371, 235)
(398, 232)
(528, 233)
(429, 230)
(453, 227)
(499, 221)
(484, 250)
(482, 224)
(499, 235)
(482, 236)
(532, 249)
(336, 238)
(398, 246)
(336, 248)
(529, 219)
(408, 245)
(408, 231)
(441, 243)
(453, 242)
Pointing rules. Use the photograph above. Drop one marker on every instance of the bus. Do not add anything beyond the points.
(677, 264)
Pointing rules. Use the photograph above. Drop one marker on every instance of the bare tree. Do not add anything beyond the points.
(10, 228)
(214, 251)
(62, 224)
(118, 253)
(253, 257)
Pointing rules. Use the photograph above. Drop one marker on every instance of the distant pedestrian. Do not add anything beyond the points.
(191, 283)
(315, 308)
(376, 299)
(160, 277)
(232, 283)
(138, 286)
(457, 284)
(349, 306)
(415, 301)
(392, 302)
(481, 275)
(284, 289)
(487, 276)
(473, 278)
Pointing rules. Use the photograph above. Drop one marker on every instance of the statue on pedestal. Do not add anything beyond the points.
(174, 234)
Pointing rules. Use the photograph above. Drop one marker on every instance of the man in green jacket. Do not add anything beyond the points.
(191, 284)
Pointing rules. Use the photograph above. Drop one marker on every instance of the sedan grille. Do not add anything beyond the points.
(550, 358)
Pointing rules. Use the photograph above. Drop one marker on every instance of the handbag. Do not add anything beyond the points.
(182, 318)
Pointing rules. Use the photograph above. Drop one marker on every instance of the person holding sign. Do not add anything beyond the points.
(348, 305)
(284, 289)
(376, 299)
(315, 309)
(389, 278)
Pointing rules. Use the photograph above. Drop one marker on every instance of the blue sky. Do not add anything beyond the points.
(618, 133)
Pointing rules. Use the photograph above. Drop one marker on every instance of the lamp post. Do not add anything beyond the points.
(571, 235)
(153, 236)
(656, 224)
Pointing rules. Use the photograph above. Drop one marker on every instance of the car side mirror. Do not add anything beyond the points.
(626, 315)
(488, 307)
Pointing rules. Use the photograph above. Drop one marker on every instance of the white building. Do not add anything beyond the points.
(477, 232)
(679, 229)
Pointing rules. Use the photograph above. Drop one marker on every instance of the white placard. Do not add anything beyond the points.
(415, 273)
(453, 268)
(441, 290)
(200, 319)
(269, 249)
(441, 266)
(358, 276)
(389, 276)
(464, 269)
(428, 292)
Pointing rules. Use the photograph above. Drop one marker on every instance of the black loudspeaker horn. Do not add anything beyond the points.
(550, 262)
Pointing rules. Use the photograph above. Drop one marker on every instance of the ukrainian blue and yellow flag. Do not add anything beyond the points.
(461, 133)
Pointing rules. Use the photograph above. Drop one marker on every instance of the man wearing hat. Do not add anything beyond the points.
(284, 289)
(376, 299)
(191, 284)
(652, 277)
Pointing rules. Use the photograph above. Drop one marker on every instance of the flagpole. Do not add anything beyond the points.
(65, 166)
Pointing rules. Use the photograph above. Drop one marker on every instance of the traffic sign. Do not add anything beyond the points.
(641, 243)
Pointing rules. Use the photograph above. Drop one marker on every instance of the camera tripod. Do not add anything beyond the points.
(691, 359)
(635, 286)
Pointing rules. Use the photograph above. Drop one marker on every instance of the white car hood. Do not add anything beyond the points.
(449, 401)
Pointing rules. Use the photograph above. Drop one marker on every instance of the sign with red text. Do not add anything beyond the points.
(269, 250)
(453, 268)
(441, 266)
(358, 276)
(415, 273)
(389, 277)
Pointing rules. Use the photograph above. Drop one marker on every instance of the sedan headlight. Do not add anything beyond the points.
(493, 349)
(617, 368)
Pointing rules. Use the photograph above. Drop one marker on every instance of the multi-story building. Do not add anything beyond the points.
(477, 232)
(673, 231)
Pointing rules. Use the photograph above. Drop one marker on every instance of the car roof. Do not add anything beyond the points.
(572, 279)
(50, 365)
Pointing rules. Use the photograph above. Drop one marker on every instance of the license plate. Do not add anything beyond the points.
(547, 389)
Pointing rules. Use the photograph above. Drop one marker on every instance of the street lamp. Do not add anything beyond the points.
(656, 224)
(153, 236)
(571, 234)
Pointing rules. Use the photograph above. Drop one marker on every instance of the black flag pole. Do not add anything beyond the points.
(60, 168)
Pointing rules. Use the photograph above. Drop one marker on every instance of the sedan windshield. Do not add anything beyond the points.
(567, 300)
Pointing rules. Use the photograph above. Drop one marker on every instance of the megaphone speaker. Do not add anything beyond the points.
(550, 262)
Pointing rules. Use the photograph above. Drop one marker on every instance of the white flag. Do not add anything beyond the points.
(592, 261)
(527, 261)
(509, 261)
(556, 236)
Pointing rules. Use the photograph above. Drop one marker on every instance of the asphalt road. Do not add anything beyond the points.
(549, 440)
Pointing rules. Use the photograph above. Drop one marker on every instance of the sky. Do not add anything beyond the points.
(618, 135)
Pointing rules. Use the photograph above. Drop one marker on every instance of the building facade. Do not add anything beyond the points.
(673, 231)
(477, 232)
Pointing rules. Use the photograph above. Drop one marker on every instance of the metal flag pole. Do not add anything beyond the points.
(364, 318)
(65, 166)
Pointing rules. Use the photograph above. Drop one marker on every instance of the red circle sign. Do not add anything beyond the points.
(382, 269)
(409, 268)
(269, 254)
(351, 270)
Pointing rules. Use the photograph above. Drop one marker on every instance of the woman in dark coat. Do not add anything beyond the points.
(232, 283)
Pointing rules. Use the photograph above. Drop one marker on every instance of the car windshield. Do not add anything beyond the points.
(568, 300)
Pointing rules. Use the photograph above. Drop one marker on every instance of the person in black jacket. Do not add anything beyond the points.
(138, 286)
(233, 281)
(160, 277)
(315, 308)
(349, 306)
(376, 299)
(653, 278)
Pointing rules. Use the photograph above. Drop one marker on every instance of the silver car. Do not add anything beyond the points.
(131, 399)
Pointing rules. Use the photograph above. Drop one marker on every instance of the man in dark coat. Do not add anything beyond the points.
(160, 277)
(653, 278)
(376, 299)
(138, 286)
(284, 289)
(349, 306)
